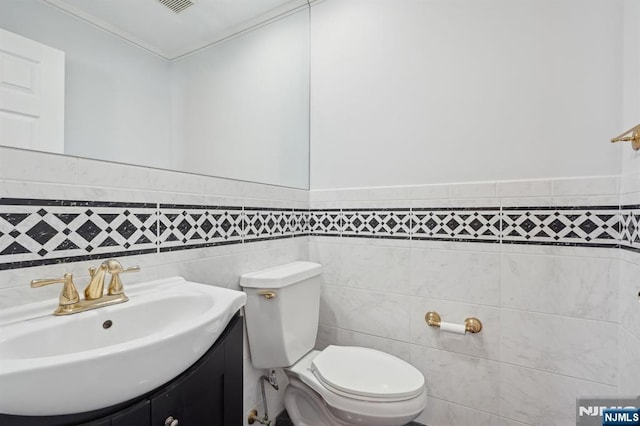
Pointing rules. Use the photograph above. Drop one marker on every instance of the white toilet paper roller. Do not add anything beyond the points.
(452, 328)
(471, 325)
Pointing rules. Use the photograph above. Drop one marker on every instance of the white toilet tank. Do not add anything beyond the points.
(282, 312)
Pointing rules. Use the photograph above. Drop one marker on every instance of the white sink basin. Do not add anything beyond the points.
(53, 365)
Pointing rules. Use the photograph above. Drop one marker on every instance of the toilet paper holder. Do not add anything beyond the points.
(471, 325)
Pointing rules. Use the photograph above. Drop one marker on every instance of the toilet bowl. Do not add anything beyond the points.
(340, 385)
(353, 386)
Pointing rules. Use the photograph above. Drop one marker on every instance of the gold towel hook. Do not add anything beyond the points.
(634, 138)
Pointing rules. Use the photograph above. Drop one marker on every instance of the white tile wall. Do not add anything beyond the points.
(31, 166)
(605, 185)
(630, 297)
(441, 412)
(544, 399)
(428, 192)
(563, 285)
(628, 365)
(370, 312)
(525, 188)
(472, 190)
(551, 314)
(465, 380)
(463, 276)
(570, 346)
(630, 183)
(370, 267)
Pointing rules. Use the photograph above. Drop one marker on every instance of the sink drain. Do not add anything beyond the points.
(107, 324)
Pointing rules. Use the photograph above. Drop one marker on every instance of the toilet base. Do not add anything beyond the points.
(307, 408)
(283, 419)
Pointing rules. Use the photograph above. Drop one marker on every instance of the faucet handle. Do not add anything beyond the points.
(115, 269)
(69, 294)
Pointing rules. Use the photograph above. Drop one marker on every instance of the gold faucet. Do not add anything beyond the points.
(94, 297)
(95, 288)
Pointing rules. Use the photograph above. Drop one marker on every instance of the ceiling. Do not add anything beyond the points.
(158, 29)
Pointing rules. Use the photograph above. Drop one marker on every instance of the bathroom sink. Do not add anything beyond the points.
(53, 365)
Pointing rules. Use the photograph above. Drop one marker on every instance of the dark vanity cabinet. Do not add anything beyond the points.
(136, 415)
(132, 416)
(209, 393)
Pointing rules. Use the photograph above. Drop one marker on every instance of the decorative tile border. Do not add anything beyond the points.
(183, 227)
(267, 223)
(630, 227)
(588, 226)
(40, 232)
(300, 222)
(594, 226)
(377, 223)
(325, 222)
(457, 224)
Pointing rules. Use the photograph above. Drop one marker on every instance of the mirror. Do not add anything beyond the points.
(221, 88)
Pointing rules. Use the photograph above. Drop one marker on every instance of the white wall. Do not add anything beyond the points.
(118, 104)
(241, 108)
(432, 91)
(631, 94)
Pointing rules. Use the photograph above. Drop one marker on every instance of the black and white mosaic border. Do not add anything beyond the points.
(376, 223)
(325, 222)
(593, 226)
(586, 226)
(39, 232)
(480, 224)
(629, 228)
(42, 232)
(183, 227)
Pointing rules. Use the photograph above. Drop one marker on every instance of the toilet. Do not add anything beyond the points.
(340, 385)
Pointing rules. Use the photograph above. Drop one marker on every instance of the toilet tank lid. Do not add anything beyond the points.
(280, 276)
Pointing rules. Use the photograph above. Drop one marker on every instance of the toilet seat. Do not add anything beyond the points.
(366, 374)
(347, 405)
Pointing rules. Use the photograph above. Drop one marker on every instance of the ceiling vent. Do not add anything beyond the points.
(176, 5)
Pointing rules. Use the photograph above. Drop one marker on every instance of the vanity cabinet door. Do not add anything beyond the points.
(138, 415)
(168, 404)
(204, 393)
(233, 367)
(196, 399)
(101, 422)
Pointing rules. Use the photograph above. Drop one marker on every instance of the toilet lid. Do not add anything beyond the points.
(366, 372)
